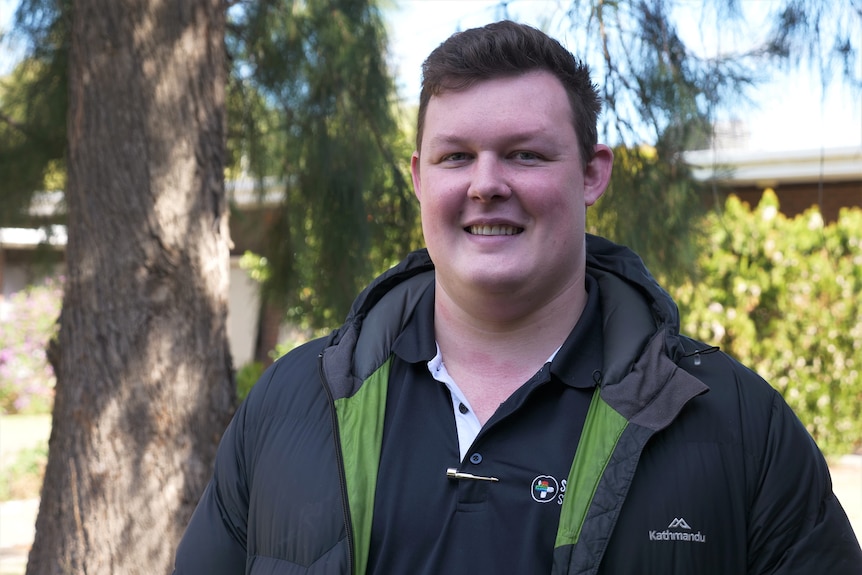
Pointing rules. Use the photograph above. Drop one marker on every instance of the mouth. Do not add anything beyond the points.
(495, 230)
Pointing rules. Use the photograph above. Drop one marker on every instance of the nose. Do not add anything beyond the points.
(488, 180)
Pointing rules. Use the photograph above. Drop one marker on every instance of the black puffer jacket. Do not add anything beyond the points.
(688, 462)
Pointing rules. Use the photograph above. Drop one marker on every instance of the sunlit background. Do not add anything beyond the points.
(793, 109)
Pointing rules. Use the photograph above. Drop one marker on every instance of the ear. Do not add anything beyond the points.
(414, 171)
(597, 174)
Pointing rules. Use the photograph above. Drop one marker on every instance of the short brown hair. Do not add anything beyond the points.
(507, 48)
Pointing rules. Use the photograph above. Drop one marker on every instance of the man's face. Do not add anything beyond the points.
(502, 189)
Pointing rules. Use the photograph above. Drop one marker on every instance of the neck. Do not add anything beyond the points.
(490, 349)
(541, 331)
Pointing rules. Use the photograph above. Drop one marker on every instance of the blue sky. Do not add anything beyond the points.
(792, 113)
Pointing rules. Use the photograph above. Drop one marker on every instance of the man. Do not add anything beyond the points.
(517, 399)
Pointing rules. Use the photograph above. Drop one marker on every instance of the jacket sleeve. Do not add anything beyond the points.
(796, 525)
(215, 538)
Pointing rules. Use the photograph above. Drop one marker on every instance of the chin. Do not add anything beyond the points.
(498, 282)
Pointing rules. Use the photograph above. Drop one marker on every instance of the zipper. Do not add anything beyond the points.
(698, 352)
(342, 474)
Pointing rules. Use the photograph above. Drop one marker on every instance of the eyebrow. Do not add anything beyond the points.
(514, 138)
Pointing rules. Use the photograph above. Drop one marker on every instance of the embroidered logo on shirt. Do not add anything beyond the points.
(677, 530)
(544, 488)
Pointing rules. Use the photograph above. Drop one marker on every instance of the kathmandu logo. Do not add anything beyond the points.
(682, 532)
(544, 488)
(678, 522)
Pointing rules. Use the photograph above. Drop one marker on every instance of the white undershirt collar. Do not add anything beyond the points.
(466, 422)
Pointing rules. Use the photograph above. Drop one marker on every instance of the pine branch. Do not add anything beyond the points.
(16, 125)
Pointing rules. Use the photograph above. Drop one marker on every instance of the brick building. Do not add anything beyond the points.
(829, 178)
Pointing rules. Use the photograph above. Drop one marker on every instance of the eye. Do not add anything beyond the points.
(455, 157)
(526, 157)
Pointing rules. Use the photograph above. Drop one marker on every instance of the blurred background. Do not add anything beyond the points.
(190, 189)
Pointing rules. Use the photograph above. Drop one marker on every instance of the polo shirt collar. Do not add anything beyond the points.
(578, 363)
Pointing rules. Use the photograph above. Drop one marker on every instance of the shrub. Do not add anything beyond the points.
(246, 377)
(22, 479)
(27, 324)
(783, 296)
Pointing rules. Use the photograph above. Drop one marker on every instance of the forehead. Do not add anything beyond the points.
(534, 101)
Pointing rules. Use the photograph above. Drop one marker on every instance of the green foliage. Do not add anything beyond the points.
(783, 296)
(653, 207)
(22, 479)
(257, 266)
(663, 83)
(33, 126)
(246, 377)
(311, 94)
(27, 324)
(662, 87)
(309, 103)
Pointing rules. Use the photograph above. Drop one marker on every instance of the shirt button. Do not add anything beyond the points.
(476, 458)
(463, 408)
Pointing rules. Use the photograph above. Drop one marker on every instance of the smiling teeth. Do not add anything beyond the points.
(493, 230)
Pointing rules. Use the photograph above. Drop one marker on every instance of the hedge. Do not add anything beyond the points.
(784, 296)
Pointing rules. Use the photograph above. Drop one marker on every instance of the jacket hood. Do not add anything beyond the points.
(606, 256)
(634, 306)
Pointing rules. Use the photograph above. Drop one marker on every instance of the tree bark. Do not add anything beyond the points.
(144, 376)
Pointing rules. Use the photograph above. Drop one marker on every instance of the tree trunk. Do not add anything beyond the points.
(144, 377)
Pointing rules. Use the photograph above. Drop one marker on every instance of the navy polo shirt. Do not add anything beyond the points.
(426, 523)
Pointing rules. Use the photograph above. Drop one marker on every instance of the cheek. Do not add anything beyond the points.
(441, 199)
(563, 217)
(436, 217)
(555, 204)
